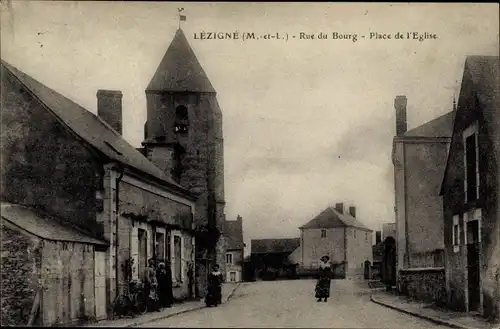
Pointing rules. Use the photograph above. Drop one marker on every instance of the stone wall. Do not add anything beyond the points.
(424, 284)
(20, 271)
(202, 163)
(314, 246)
(43, 164)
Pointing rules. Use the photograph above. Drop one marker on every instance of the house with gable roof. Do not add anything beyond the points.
(419, 159)
(60, 162)
(235, 247)
(339, 235)
(470, 189)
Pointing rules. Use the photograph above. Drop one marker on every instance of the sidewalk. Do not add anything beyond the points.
(449, 318)
(228, 290)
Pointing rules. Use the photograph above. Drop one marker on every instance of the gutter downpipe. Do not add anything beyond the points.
(117, 208)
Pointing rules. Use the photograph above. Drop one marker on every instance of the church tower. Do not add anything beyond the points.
(183, 136)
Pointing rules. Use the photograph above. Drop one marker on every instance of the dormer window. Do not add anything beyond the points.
(181, 119)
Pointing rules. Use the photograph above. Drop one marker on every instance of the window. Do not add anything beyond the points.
(160, 246)
(181, 112)
(229, 258)
(323, 233)
(354, 233)
(181, 119)
(366, 236)
(471, 159)
(143, 252)
(178, 168)
(456, 233)
(168, 248)
(177, 258)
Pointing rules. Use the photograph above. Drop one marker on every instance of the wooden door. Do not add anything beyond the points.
(100, 285)
(473, 264)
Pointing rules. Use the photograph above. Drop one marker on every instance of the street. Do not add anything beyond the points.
(292, 304)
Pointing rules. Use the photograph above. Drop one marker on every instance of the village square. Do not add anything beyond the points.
(183, 224)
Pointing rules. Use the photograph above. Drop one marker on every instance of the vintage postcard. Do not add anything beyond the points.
(250, 164)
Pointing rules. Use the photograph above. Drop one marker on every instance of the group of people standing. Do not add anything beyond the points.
(158, 285)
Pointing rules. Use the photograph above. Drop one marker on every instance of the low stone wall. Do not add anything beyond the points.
(424, 284)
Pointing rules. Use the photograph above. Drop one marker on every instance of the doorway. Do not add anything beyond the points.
(473, 269)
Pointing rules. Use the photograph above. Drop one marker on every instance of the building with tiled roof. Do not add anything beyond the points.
(470, 188)
(273, 258)
(419, 159)
(93, 188)
(235, 248)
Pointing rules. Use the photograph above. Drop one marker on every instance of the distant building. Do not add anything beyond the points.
(471, 192)
(340, 236)
(388, 229)
(270, 258)
(419, 158)
(233, 234)
(62, 163)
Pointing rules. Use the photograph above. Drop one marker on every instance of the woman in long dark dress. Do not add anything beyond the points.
(164, 276)
(324, 279)
(214, 291)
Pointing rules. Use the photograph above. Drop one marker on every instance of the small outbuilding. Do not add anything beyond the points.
(52, 273)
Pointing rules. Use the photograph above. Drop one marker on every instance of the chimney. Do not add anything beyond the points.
(109, 108)
(339, 207)
(352, 211)
(400, 106)
(378, 237)
(239, 218)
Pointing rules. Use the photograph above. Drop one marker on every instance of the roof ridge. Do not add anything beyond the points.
(429, 124)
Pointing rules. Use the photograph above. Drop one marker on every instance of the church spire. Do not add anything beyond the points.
(179, 70)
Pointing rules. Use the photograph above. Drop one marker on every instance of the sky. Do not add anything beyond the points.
(307, 123)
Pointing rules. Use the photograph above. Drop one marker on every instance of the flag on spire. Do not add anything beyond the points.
(182, 18)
